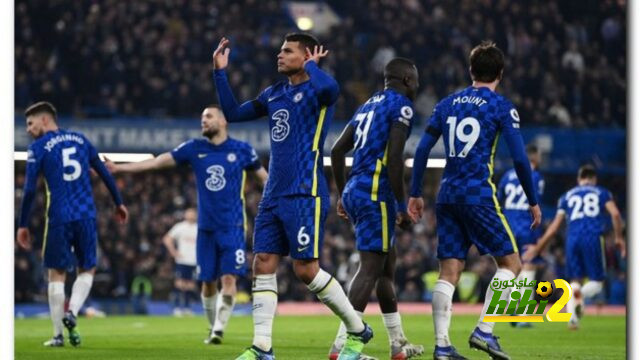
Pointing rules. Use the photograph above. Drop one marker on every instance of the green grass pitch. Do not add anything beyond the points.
(308, 337)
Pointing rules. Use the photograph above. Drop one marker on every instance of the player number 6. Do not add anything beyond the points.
(303, 239)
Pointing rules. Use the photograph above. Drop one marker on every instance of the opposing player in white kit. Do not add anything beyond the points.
(180, 242)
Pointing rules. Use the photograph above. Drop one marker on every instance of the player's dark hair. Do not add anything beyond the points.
(40, 107)
(398, 68)
(487, 62)
(587, 172)
(306, 40)
(531, 149)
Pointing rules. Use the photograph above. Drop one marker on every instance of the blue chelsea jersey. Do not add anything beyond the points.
(584, 208)
(220, 172)
(514, 201)
(372, 122)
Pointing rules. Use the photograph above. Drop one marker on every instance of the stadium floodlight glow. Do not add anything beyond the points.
(431, 163)
(348, 161)
(304, 23)
(115, 157)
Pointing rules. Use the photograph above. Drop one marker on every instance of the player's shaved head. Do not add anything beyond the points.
(533, 154)
(305, 40)
(41, 107)
(402, 75)
(486, 62)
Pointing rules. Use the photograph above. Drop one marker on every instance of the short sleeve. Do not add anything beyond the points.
(182, 152)
(605, 196)
(562, 205)
(175, 231)
(403, 113)
(252, 161)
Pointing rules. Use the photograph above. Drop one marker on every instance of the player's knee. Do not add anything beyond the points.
(265, 263)
(510, 262)
(228, 284)
(209, 289)
(306, 270)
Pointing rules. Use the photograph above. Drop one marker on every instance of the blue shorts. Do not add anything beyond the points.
(585, 257)
(220, 252)
(291, 225)
(461, 225)
(70, 244)
(374, 222)
(185, 272)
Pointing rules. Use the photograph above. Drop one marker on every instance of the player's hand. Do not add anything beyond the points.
(531, 252)
(317, 54)
(536, 216)
(404, 221)
(415, 208)
(340, 210)
(122, 214)
(622, 246)
(221, 54)
(24, 238)
(111, 166)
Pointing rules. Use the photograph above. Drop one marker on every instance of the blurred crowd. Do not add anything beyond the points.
(133, 254)
(566, 60)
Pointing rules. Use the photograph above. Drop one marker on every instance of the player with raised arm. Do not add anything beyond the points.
(467, 208)
(374, 197)
(295, 202)
(516, 209)
(584, 207)
(180, 243)
(220, 164)
(64, 158)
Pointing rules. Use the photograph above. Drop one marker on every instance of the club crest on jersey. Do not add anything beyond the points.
(231, 157)
(216, 180)
(297, 97)
(280, 129)
(406, 112)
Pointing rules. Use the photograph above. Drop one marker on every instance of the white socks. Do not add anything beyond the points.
(502, 274)
(209, 307)
(341, 337)
(393, 323)
(80, 291)
(224, 308)
(265, 302)
(528, 276)
(331, 294)
(591, 288)
(56, 305)
(441, 304)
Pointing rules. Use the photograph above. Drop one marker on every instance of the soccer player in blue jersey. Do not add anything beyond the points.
(220, 165)
(584, 207)
(374, 197)
(70, 237)
(467, 208)
(295, 202)
(516, 209)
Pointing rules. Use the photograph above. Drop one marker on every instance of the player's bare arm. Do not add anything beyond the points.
(616, 220)
(162, 161)
(262, 176)
(553, 228)
(340, 148)
(170, 245)
(397, 139)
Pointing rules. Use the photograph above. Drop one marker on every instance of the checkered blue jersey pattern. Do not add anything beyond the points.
(514, 201)
(470, 122)
(372, 123)
(585, 211)
(63, 157)
(220, 172)
(298, 124)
